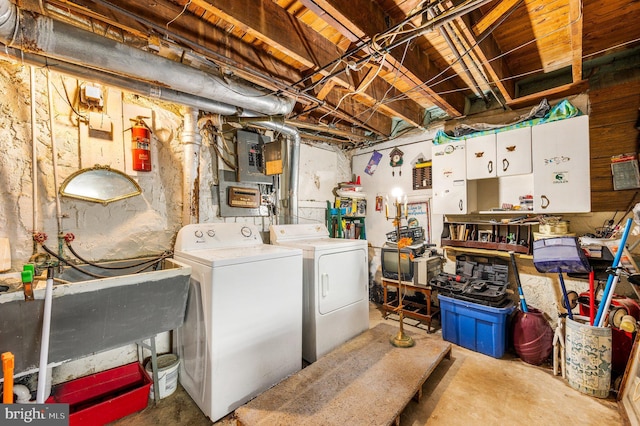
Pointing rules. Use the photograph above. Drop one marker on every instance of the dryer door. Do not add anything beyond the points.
(342, 279)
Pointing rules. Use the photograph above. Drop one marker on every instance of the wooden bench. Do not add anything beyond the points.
(366, 381)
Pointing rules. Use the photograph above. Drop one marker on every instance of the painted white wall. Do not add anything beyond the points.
(384, 180)
(322, 166)
(138, 226)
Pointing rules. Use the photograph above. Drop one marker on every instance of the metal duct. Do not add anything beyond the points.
(64, 42)
(130, 85)
(294, 162)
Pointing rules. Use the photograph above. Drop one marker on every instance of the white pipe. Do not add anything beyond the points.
(58, 40)
(54, 150)
(191, 140)
(44, 341)
(34, 154)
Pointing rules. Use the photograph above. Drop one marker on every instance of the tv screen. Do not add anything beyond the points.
(389, 261)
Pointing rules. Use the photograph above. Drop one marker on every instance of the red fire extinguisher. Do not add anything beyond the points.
(141, 145)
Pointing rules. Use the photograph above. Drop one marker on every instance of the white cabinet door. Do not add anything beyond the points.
(481, 157)
(561, 173)
(450, 185)
(513, 152)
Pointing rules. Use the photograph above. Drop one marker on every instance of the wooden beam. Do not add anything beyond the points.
(487, 50)
(274, 26)
(365, 19)
(554, 93)
(324, 90)
(493, 15)
(575, 21)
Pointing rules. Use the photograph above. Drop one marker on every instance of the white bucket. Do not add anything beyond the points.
(167, 375)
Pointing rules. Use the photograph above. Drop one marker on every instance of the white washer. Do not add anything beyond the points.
(336, 286)
(242, 331)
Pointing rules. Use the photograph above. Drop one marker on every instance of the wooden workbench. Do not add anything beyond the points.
(366, 381)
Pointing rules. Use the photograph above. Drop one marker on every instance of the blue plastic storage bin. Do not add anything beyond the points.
(473, 326)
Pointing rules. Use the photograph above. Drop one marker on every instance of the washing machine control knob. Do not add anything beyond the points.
(198, 234)
(211, 233)
(246, 231)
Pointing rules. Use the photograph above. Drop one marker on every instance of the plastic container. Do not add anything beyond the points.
(104, 397)
(532, 336)
(588, 357)
(167, 375)
(477, 327)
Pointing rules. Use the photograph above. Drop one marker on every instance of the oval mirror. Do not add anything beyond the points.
(100, 184)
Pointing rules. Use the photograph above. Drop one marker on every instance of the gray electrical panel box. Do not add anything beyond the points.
(250, 157)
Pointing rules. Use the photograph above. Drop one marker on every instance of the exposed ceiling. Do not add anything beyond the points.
(364, 70)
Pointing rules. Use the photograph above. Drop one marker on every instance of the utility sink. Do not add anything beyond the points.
(92, 315)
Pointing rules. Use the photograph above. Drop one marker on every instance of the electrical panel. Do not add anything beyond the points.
(241, 198)
(250, 164)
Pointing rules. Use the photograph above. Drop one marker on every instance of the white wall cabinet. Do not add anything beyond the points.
(481, 157)
(452, 192)
(561, 172)
(499, 154)
(513, 152)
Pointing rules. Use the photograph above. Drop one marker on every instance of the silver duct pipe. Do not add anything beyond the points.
(294, 163)
(61, 41)
(133, 86)
(191, 140)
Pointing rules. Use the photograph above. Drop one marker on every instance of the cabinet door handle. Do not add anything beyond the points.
(545, 201)
(505, 164)
(325, 285)
(460, 205)
(490, 166)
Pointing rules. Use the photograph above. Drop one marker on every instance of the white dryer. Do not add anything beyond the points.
(336, 286)
(242, 331)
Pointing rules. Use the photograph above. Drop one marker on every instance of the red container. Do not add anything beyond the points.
(104, 397)
(532, 336)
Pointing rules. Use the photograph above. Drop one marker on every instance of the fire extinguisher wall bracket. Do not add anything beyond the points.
(140, 145)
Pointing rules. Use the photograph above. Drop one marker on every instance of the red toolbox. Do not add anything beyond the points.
(104, 397)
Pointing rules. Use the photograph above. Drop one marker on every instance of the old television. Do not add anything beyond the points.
(389, 262)
(418, 270)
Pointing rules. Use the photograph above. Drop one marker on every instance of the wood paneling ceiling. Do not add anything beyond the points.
(361, 70)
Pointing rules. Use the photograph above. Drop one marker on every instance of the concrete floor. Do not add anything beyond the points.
(468, 389)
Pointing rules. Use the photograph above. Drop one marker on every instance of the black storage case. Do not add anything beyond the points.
(482, 280)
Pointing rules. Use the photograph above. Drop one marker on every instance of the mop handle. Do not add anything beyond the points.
(44, 341)
(7, 371)
(523, 303)
(616, 264)
(565, 296)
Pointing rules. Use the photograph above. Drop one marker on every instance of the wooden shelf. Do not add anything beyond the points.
(485, 252)
(489, 235)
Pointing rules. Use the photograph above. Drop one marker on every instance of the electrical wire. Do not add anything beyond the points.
(462, 55)
(184, 9)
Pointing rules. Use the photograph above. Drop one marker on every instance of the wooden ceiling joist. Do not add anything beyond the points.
(575, 18)
(272, 24)
(365, 19)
